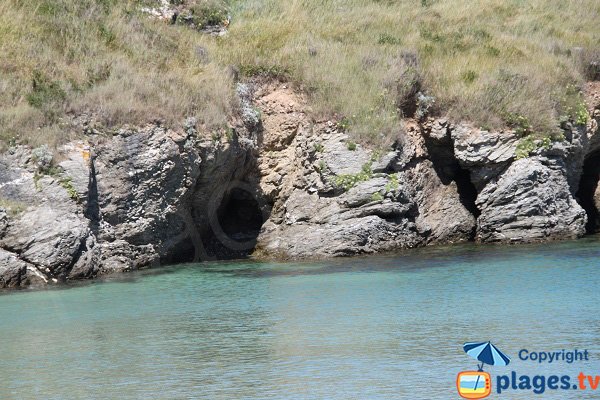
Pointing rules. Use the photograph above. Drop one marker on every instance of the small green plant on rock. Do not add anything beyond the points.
(376, 196)
(67, 183)
(581, 116)
(546, 143)
(348, 181)
(322, 167)
(529, 144)
(573, 107)
(392, 184)
(230, 134)
(519, 123)
(351, 146)
(525, 147)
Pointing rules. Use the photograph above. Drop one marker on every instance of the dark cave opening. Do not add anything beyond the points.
(240, 215)
(236, 224)
(589, 192)
(184, 252)
(220, 225)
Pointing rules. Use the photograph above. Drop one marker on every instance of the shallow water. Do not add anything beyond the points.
(363, 328)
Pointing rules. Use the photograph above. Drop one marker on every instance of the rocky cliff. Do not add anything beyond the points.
(280, 184)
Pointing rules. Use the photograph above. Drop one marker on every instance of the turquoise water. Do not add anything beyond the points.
(363, 328)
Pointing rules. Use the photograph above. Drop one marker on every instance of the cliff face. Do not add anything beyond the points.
(282, 185)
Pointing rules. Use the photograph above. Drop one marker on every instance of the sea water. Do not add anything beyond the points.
(376, 327)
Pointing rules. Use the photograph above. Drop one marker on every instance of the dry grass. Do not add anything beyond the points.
(481, 60)
(103, 58)
(12, 208)
(486, 61)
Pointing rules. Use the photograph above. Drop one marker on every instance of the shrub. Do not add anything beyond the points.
(343, 124)
(519, 123)
(408, 83)
(469, 76)
(269, 71)
(207, 13)
(424, 105)
(43, 158)
(590, 63)
(525, 147)
(386, 38)
(46, 95)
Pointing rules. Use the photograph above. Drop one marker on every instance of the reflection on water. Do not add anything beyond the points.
(370, 328)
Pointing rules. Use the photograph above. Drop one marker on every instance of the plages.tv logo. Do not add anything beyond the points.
(478, 384)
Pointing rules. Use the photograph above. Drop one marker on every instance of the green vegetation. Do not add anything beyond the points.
(393, 183)
(67, 184)
(376, 196)
(348, 181)
(201, 14)
(530, 144)
(351, 146)
(365, 62)
(103, 58)
(322, 167)
(12, 207)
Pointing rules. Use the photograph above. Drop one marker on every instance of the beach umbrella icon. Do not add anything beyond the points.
(487, 353)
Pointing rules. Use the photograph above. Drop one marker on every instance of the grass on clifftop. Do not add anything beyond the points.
(491, 62)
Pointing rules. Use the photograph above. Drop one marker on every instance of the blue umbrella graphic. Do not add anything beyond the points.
(487, 353)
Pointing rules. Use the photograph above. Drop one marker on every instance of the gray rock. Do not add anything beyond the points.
(441, 216)
(120, 256)
(12, 270)
(363, 235)
(529, 202)
(49, 238)
(3, 222)
(342, 161)
(15, 272)
(364, 192)
(143, 178)
(386, 162)
(152, 195)
(77, 171)
(87, 264)
(440, 131)
(485, 154)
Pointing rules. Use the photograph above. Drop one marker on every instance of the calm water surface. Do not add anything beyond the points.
(364, 328)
